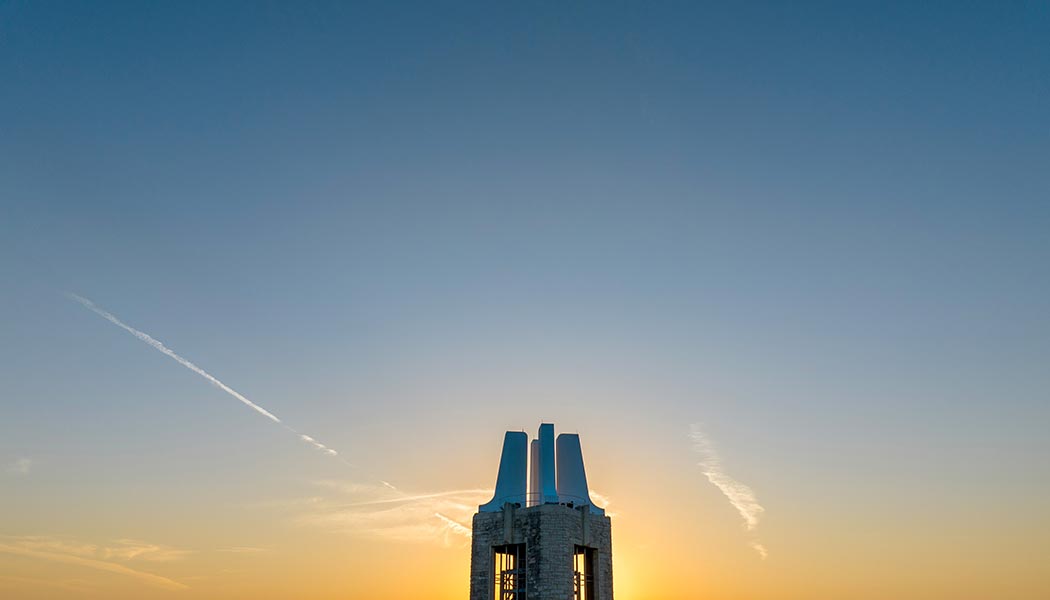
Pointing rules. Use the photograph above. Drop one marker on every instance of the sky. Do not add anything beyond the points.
(785, 267)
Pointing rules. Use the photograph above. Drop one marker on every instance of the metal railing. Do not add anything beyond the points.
(533, 499)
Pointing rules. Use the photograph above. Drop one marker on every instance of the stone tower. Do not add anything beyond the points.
(541, 537)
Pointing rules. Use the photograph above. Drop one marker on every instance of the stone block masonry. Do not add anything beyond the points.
(550, 533)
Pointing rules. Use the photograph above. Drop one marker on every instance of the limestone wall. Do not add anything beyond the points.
(550, 533)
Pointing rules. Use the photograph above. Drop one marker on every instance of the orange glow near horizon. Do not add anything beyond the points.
(662, 550)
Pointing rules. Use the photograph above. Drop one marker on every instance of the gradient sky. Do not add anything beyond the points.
(821, 232)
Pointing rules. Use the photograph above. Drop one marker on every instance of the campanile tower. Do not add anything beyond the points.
(541, 537)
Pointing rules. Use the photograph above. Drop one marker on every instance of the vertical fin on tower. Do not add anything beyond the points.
(548, 483)
(513, 469)
(535, 495)
(572, 476)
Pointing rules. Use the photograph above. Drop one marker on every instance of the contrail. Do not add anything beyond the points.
(145, 337)
(453, 526)
(740, 496)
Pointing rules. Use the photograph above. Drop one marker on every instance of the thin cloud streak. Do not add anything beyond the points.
(760, 549)
(376, 511)
(160, 347)
(61, 552)
(129, 549)
(417, 498)
(244, 550)
(454, 526)
(125, 549)
(75, 586)
(739, 495)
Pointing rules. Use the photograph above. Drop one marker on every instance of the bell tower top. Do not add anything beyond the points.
(541, 537)
(545, 471)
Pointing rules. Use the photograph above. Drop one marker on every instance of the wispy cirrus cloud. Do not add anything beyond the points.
(123, 549)
(76, 586)
(603, 501)
(108, 558)
(21, 466)
(761, 549)
(243, 550)
(129, 549)
(740, 496)
(382, 512)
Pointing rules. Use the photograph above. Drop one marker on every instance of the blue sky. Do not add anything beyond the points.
(820, 230)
